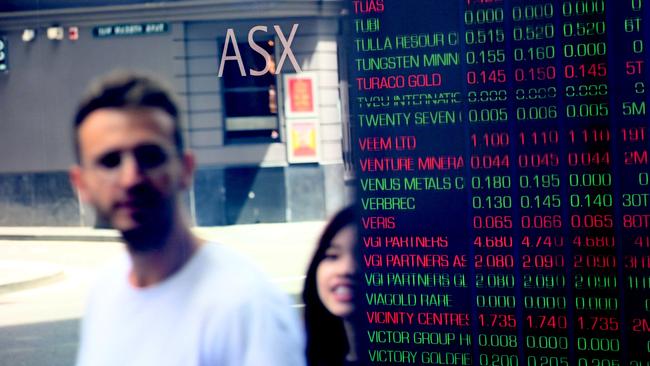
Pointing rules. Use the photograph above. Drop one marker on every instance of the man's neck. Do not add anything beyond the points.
(152, 267)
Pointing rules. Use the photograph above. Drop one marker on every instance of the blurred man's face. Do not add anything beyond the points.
(130, 170)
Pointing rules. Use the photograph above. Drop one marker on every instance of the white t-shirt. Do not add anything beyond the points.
(218, 310)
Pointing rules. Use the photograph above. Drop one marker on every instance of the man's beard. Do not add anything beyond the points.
(150, 236)
(152, 230)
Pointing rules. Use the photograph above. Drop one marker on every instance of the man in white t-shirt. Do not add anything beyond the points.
(174, 299)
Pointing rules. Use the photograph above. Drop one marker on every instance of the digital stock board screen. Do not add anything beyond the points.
(501, 155)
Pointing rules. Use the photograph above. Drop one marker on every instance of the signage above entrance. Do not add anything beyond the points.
(118, 30)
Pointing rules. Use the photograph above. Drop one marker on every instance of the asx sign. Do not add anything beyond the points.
(287, 53)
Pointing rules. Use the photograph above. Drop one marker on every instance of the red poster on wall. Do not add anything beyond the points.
(301, 95)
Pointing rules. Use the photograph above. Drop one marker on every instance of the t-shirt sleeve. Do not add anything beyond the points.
(261, 328)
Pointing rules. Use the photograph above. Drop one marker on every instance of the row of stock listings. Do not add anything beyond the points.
(501, 149)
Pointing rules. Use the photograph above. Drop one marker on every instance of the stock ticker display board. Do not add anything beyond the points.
(501, 150)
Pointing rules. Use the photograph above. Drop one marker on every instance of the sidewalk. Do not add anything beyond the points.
(16, 275)
(26, 273)
(281, 249)
(39, 233)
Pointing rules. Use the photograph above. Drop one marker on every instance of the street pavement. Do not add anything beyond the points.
(45, 275)
(281, 249)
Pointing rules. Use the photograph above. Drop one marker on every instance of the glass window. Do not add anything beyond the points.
(251, 110)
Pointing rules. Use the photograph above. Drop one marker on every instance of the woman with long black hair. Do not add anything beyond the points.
(329, 294)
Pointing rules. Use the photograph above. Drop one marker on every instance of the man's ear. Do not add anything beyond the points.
(77, 181)
(189, 166)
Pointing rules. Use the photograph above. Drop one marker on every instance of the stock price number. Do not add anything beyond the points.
(543, 281)
(547, 361)
(582, 29)
(585, 70)
(590, 180)
(544, 342)
(591, 200)
(497, 76)
(497, 320)
(483, 16)
(483, 36)
(532, 12)
(533, 32)
(488, 242)
(588, 158)
(546, 321)
(542, 261)
(491, 182)
(497, 340)
(589, 49)
(540, 73)
(498, 360)
(536, 93)
(594, 241)
(598, 323)
(487, 115)
(492, 222)
(494, 280)
(483, 96)
(540, 201)
(591, 135)
(592, 221)
(496, 301)
(494, 261)
(534, 53)
(489, 161)
(491, 202)
(541, 221)
(585, 90)
(598, 362)
(599, 344)
(542, 138)
(545, 302)
(587, 110)
(491, 140)
(548, 241)
(594, 282)
(582, 8)
(485, 56)
(538, 160)
(535, 113)
(594, 261)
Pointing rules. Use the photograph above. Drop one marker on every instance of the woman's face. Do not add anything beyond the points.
(335, 280)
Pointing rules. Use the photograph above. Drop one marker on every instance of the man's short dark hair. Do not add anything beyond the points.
(124, 89)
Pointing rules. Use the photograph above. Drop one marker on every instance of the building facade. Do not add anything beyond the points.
(231, 64)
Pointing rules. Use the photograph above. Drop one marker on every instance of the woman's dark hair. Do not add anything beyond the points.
(327, 343)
